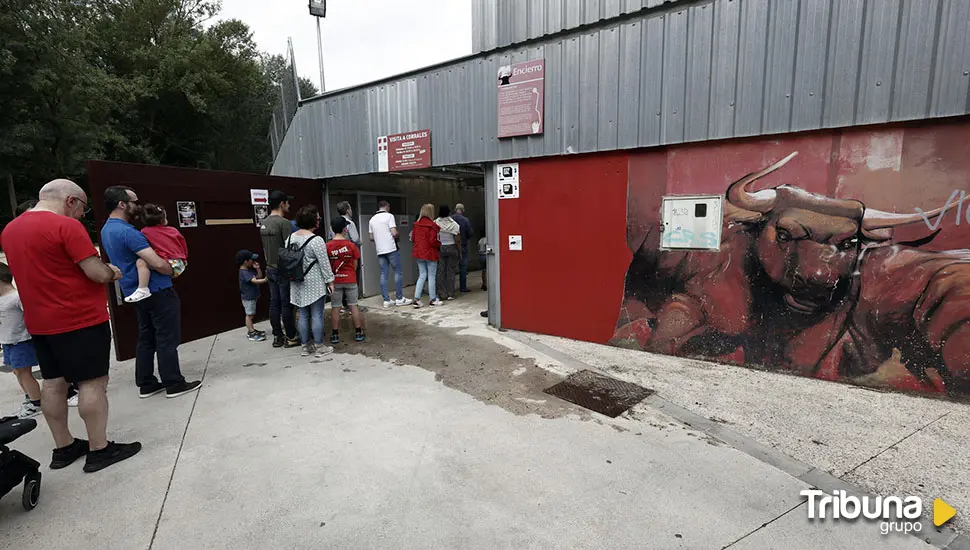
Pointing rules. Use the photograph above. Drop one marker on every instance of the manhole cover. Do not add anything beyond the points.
(599, 393)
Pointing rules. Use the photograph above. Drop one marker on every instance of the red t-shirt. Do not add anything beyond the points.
(43, 250)
(342, 254)
(167, 242)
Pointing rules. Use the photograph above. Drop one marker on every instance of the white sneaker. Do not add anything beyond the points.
(417, 304)
(72, 402)
(138, 295)
(27, 410)
(436, 302)
(323, 350)
(450, 298)
(388, 303)
(308, 350)
(404, 302)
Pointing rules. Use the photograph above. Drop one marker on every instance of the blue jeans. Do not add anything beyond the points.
(463, 271)
(280, 307)
(392, 260)
(312, 312)
(427, 271)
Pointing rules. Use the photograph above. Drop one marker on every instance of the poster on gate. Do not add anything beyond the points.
(188, 217)
(521, 93)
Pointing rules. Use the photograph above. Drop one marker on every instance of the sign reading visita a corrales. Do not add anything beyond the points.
(407, 151)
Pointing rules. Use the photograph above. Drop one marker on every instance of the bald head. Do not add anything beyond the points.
(60, 189)
(63, 197)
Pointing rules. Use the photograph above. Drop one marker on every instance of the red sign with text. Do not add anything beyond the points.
(408, 151)
(521, 90)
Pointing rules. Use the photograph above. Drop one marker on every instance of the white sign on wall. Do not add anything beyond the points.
(692, 222)
(515, 242)
(259, 196)
(507, 176)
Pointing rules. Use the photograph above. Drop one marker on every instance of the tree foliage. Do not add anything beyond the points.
(151, 81)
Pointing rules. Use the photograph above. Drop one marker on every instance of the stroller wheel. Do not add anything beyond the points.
(31, 491)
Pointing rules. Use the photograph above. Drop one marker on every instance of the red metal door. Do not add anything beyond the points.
(209, 287)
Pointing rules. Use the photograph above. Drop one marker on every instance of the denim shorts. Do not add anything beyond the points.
(249, 306)
(20, 356)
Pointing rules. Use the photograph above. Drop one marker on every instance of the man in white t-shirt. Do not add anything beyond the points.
(384, 235)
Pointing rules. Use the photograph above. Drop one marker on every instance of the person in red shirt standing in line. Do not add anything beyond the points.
(344, 256)
(61, 281)
(167, 242)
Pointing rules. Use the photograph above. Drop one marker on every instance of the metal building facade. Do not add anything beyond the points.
(656, 75)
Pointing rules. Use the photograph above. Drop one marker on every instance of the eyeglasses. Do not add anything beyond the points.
(87, 209)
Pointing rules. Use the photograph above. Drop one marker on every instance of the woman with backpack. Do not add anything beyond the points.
(425, 251)
(309, 288)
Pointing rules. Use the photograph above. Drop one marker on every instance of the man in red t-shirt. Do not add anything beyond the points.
(61, 281)
(343, 260)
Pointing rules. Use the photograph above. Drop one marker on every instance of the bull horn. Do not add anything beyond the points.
(759, 201)
(877, 219)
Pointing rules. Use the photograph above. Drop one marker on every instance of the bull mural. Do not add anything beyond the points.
(808, 284)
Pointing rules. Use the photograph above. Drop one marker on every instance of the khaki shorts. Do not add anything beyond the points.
(340, 291)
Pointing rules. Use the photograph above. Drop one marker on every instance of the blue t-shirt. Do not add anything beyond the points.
(247, 289)
(465, 227)
(122, 242)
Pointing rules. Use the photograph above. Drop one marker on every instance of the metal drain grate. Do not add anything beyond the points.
(599, 393)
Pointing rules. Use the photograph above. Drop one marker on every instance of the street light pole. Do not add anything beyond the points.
(318, 9)
(323, 81)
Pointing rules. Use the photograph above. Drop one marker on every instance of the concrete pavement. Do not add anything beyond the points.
(433, 434)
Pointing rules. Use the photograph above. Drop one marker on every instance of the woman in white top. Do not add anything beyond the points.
(450, 253)
(309, 294)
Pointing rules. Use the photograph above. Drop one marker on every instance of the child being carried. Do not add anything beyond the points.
(167, 242)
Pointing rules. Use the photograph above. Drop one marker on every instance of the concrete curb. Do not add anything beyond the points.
(941, 537)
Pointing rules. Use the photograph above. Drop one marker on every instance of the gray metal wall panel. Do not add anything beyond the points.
(628, 102)
(570, 94)
(951, 83)
(752, 52)
(591, 11)
(651, 81)
(552, 134)
(674, 77)
(780, 66)
(555, 16)
(914, 60)
(700, 28)
(842, 73)
(609, 89)
(611, 8)
(573, 13)
(519, 24)
(727, 28)
(588, 87)
(813, 34)
(878, 56)
(537, 18)
(642, 81)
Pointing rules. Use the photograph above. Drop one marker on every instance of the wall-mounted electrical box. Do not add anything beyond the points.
(691, 222)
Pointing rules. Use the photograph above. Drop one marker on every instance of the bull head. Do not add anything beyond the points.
(809, 244)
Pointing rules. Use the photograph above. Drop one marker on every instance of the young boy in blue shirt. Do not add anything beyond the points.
(250, 275)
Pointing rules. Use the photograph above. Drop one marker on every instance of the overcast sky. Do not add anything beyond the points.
(363, 40)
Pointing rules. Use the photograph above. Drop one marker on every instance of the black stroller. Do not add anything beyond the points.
(16, 466)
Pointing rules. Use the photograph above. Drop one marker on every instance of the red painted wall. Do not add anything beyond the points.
(568, 278)
(591, 268)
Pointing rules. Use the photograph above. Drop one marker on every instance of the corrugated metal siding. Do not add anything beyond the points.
(500, 23)
(692, 71)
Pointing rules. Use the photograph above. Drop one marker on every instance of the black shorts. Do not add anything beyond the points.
(75, 356)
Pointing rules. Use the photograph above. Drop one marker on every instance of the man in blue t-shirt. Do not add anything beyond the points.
(159, 316)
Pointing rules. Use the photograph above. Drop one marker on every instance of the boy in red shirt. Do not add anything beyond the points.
(167, 242)
(344, 256)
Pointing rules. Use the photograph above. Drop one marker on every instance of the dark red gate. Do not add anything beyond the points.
(225, 216)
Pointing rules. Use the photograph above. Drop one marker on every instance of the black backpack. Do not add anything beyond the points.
(290, 264)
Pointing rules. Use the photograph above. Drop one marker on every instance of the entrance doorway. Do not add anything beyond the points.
(371, 270)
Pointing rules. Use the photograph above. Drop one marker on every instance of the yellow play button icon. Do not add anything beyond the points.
(942, 512)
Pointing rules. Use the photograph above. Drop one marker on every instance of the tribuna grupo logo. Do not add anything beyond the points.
(895, 514)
